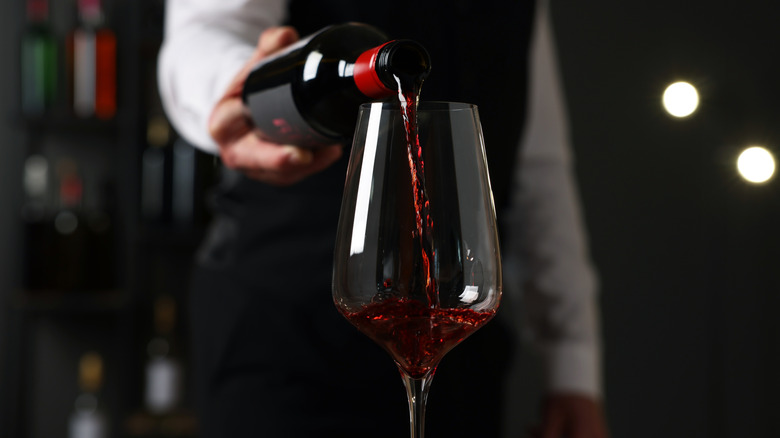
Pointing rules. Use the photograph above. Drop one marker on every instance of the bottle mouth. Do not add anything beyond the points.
(406, 59)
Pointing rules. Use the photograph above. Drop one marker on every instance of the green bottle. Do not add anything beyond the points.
(39, 60)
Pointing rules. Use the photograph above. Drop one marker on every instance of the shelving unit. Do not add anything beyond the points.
(53, 322)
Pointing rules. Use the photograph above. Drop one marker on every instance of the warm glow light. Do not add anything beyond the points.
(756, 164)
(681, 99)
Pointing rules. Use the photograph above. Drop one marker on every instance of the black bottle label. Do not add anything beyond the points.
(277, 119)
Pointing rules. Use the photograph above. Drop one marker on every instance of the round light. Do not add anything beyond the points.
(756, 164)
(681, 99)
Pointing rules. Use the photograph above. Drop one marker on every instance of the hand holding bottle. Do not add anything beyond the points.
(241, 149)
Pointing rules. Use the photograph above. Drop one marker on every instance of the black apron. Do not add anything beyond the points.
(272, 356)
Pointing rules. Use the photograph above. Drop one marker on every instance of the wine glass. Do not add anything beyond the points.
(417, 265)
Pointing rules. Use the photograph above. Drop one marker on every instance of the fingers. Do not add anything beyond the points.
(324, 157)
(291, 164)
(228, 122)
(275, 39)
(277, 164)
(241, 149)
(270, 41)
(294, 171)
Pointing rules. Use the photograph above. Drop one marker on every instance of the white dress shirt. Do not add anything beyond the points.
(207, 42)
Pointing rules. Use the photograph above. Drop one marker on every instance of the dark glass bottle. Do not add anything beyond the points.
(163, 369)
(39, 60)
(88, 419)
(309, 94)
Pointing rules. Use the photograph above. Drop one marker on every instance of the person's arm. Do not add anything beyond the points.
(206, 43)
(208, 50)
(559, 282)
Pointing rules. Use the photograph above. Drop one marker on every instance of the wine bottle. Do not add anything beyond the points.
(69, 241)
(309, 94)
(87, 419)
(163, 370)
(37, 188)
(71, 238)
(38, 262)
(92, 53)
(183, 184)
(153, 169)
(38, 60)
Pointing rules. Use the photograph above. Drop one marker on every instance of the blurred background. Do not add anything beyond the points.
(103, 207)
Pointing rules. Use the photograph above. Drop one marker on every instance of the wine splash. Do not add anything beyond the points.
(409, 88)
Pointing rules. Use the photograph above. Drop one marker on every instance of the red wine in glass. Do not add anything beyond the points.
(416, 335)
(416, 263)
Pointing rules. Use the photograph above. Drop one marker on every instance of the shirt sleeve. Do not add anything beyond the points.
(547, 247)
(205, 44)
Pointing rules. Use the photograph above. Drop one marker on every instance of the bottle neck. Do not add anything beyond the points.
(90, 12)
(378, 70)
(37, 11)
(366, 77)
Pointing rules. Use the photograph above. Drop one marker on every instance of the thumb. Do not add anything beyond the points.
(275, 39)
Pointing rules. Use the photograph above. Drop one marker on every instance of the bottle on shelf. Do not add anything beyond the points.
(183, 184)
(38, 61)
(88, 420)
(55, 236)
(153, 170)
(92, 52)
(69, 246)
(310, 93)
(70, 237)
(38, 265)
(37, 187)
(163, 370)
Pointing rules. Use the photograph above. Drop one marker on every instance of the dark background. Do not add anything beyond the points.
(687, 252)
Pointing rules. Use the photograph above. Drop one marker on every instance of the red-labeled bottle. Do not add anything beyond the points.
(309, 93)
(92, 54)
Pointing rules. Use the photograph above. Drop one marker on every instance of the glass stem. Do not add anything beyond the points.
(417, 394)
